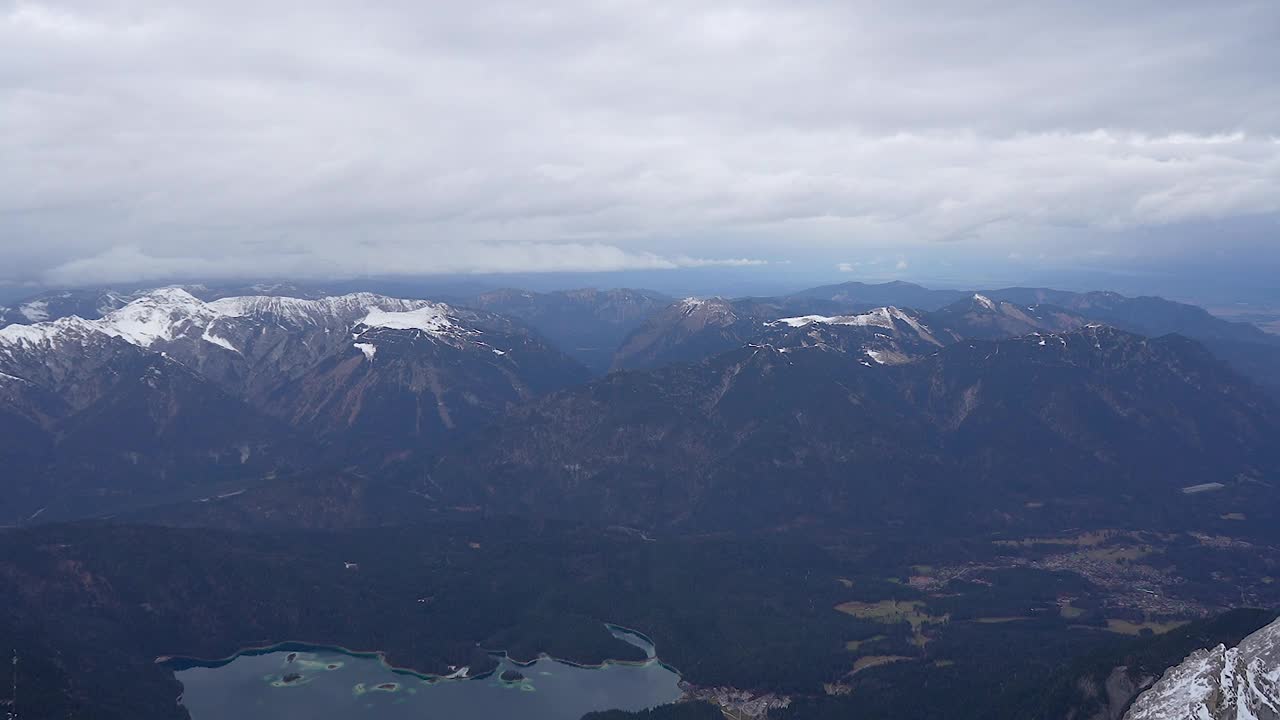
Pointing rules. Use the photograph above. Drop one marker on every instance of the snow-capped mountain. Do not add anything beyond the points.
(247, 344)
(387, 373)
(241, 343)
(1238, 683)
(884, 336)
(693, 329)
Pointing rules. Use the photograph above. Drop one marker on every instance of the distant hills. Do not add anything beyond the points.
(689, 331)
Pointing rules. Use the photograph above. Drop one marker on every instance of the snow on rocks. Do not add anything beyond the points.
(168, 314)
(1239, 683)
(880, 317)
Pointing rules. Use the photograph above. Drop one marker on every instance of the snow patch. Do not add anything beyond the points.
(1202, 487)
(431, 319)
(35, 311)
(208, 336)
(984, 301)
(802, 320)
(297, 311)
(880, 317)
(369, 349)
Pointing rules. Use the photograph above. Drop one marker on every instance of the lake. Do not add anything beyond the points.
(321, 683)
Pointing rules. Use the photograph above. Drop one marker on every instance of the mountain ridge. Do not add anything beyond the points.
(1051, 411)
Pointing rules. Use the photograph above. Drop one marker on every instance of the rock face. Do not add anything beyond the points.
(1239, 683)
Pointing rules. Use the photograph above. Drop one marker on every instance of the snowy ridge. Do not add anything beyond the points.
(884, 317)
(1239, 683)
(436, 320)
(159, 315)
(884, 336)
(35, 311)
(42, 333)
(711, 307)
(46, 335)
(297, 311)
(168, 314)
(431, 318)
(880, 317)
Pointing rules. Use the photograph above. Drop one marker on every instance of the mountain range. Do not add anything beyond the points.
(873, 420)
(1011, 401)
(693, 329)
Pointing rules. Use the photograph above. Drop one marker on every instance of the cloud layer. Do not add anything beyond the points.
(234, 138)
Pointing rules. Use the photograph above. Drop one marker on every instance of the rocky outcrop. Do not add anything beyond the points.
(1239, 683)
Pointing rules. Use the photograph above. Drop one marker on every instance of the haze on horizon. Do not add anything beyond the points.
(862, 140)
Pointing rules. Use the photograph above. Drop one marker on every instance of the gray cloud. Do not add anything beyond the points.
(236, 138)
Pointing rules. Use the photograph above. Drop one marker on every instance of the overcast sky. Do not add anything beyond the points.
(224, 138)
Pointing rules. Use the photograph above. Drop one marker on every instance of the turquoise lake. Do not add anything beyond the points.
(323, 684)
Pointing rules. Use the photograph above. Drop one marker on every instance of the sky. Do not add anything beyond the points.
(939, 141)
